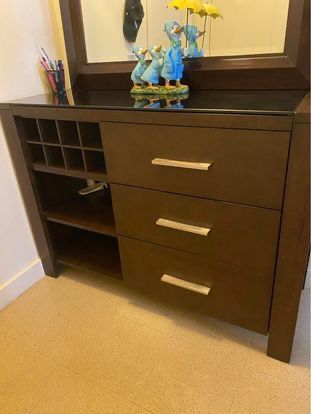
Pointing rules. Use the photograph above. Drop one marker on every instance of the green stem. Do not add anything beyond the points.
(204, 30)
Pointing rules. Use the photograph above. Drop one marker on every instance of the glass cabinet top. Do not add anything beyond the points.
(276, 102)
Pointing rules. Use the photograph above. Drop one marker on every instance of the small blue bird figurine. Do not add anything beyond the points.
(173, 66)
(141, 66)
(153, 72)
(192, 34)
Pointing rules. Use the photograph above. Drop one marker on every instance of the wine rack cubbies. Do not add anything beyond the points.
(67, 147)
(54, 156)
(68, 132)
(48, 131)
(29, 130)
(90, 135)
(94, 161)
(74, 159)
(36, 154)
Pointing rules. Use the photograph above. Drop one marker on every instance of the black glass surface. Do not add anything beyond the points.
(257, 102)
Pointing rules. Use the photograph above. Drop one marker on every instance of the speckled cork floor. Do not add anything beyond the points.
(82, 344)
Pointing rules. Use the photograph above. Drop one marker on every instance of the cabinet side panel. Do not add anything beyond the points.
(293, 247)
(27, 190)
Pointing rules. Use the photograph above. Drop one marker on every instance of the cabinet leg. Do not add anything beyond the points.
(293, 247)
(49, 266)
(280, 341)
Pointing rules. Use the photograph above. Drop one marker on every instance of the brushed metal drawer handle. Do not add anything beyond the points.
(181, 164)
(171, 280)
(202, 231)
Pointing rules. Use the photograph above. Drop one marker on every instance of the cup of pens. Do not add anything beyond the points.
(55, 73)
(56, 79)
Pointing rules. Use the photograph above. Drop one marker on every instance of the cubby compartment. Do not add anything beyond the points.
(48, 131)
(28, 129)
(90, 135)
(36, 154)
(74, 159)
(62, 203)
(85, 250)
(95, 162)
(54, 156)
(69, 133)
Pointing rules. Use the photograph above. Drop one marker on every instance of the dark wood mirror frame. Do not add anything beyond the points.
(289, 70)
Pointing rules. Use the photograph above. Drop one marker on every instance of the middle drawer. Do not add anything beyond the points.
(237, 234)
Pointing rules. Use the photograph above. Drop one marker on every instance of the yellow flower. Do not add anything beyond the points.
(193, 5)
(210, 10)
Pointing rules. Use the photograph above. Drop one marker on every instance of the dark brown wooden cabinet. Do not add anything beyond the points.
(205, 208)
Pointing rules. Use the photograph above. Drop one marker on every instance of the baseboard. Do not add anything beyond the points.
(308, 278)
(21, 282)
(308, 275)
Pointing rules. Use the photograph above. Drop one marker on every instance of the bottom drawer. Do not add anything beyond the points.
(215, 288)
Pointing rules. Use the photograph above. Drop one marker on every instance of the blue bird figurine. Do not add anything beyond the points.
(192, 34)
(140, 68)
(173, 66)
(153, 72)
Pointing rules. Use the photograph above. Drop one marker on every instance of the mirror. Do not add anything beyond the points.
(248, 27)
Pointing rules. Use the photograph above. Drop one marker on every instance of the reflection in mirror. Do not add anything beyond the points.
(163, 102)
(249, 27)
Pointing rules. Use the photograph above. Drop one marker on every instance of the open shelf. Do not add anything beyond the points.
(63, 204)
(48, 131)
(70, 173)
(69, 135)
(86, 250)
(90, 135)
(93, 212)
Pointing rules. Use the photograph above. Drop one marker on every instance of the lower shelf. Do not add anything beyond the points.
(86, 250)
(92, 212)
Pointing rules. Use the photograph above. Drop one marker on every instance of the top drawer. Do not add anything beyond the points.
(246, 166)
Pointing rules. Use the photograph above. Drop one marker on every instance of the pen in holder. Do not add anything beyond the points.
(56, 79)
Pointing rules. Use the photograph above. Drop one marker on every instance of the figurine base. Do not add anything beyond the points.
(160, 90)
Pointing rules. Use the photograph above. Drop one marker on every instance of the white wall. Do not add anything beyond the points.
(249, 27)
(25, 26)
(103, 23)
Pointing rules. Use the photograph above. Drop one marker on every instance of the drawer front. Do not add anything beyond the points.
(240, 235)
(240, 166)
(209, 287)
